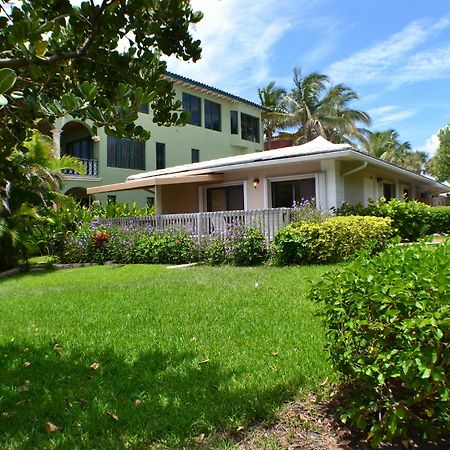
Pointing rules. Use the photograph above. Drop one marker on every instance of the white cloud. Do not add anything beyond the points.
(431, 144)
(385, 117)
(238, 39)
(399, 59)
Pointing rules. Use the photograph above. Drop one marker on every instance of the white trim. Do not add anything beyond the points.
(266, 193)
(204, 200)
(289, 178)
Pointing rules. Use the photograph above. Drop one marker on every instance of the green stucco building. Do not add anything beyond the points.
(221, 125)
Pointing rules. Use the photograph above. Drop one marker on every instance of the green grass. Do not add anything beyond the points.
(180, 352)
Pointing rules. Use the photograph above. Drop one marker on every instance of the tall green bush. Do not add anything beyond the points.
(439, 220)
(388, 335)
(410, 219)
(335, 239)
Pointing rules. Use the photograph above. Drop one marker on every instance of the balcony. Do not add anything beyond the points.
(90, 169)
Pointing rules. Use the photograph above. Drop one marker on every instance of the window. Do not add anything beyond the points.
(225, 198)
(212, 116)
(195, 155)
(126, 153)
(250, 128)
(160, 156)
(234, 122)
(144, 108)
(111, 199)
(388, 190)
(285, 193)
(81, 148)
(193, 104)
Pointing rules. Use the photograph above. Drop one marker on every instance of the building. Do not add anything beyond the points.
(221, 125)
(331, 174)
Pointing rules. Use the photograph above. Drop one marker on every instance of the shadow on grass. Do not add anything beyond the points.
(165, 398)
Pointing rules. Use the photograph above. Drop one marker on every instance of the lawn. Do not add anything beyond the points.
(150, 357)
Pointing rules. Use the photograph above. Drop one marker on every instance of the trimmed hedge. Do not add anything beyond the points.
(388, 335)
(439, 220)
(335, 239)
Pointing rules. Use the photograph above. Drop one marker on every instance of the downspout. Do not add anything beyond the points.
(356, 169)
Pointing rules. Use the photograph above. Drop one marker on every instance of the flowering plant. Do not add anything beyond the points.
(100, 238)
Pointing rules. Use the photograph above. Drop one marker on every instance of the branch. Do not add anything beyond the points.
(16, 63)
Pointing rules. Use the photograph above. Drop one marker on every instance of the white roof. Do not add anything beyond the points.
(318, 145)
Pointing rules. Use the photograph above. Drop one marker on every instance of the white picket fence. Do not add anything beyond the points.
(219, 223)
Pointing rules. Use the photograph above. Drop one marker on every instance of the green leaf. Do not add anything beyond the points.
(3, 100)
(7, 79)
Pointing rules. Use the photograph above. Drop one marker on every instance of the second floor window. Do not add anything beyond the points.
(193, 104)
(234, 122)
(212, 116)
(250, 128)
(126, 153)
(195, 155)
(160, 156)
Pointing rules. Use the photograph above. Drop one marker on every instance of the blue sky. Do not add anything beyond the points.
(395, 54)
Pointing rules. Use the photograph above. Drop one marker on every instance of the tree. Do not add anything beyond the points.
(440, 163)
(387, 145)
(271, 97)
(63, 59)
(316, 108)
(37, 179)
(99, 61)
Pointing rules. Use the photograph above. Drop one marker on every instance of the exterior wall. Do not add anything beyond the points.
(178, 143)
(183, 198)
(332, 188)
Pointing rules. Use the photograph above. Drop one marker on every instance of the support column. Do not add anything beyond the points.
(56, 132)
(334, 190)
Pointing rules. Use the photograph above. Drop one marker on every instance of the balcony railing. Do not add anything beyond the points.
(90, 168)
(220, 223)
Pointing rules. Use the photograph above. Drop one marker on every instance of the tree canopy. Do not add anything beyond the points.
(440, 163)
(99, 61)
(314, 107)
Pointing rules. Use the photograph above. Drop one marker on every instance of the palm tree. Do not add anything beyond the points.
(31, 177)
(317, 109)
(387, 145)
(271, 97)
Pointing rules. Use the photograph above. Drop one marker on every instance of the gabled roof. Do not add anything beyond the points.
(179, 79)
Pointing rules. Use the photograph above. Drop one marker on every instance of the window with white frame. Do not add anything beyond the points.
(290, 192)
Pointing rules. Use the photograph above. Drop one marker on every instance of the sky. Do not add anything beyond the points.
(395, 54)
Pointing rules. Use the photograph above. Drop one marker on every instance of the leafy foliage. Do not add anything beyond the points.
(387, 145)
(32, 178)
(65, 59)
(245, 246)
(314, 108)
(439, 219)
(440, 163)
(409, 218)
(388, 330)
(335, 239)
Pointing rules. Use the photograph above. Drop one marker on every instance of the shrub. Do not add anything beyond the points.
(289, 246)
(95, 243)
(245, 246)
(335, 239)
(409, 218)
(439, 219)
(212, 250)
(388, 327)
